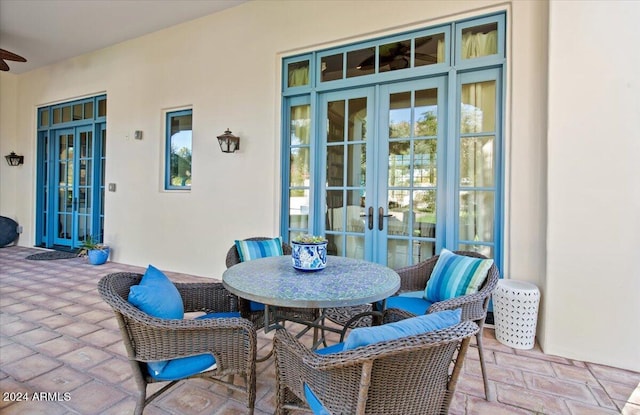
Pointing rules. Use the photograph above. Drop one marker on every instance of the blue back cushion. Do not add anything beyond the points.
(456, 275)
(157, 296)
(364, 336)
(248, 250)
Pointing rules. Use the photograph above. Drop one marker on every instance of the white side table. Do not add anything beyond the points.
(515, 307)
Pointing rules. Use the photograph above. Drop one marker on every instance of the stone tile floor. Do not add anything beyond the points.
(57, 336)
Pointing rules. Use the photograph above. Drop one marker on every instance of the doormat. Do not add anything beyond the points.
(46, 256)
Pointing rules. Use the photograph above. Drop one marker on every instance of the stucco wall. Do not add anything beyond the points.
(593, 276)
(226, 66)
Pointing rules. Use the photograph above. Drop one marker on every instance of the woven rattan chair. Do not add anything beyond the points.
(411, 375)
(474, 306)
(257, 316)
(232, 341)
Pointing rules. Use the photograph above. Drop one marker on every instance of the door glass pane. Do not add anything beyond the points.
(477, 216)
(300, 123)
(478, 112)
(361, 62)
(355, 246)
(425, 113)
(394, 56)
(299, 173)
(331, 67)
(479, 41)
(335, 119)
(299, 208)
(298, 73)
(398, 253)
(430, 49)
(335, 210)
(399, 163)
(400, 115)
(357, 126)
(425, 167)
(399, 223)
(335, 165)
(335, 245)
(354, 211)
(477, 162)
(357, 159)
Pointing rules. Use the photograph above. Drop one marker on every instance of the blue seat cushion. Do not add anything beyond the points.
(364, 336)
(157, 296)
(253, 306)
(414, 305)
(183, 367)
(456, 275)
(334, 348)
(219, 315)
(165, 368)
(314, 403)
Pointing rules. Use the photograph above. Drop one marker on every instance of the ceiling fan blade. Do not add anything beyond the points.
(3, 65)
(10, 56)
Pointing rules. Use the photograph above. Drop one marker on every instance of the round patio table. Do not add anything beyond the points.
(344, 282)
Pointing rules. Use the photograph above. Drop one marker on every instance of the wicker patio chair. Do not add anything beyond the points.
(257, 316)
(232, 341)
(411, 375)
(474, 306)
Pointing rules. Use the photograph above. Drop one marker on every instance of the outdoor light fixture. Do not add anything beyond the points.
(229, 143)
(13, 159)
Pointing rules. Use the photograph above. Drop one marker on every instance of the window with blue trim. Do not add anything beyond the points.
(393, 147)
(178, 150)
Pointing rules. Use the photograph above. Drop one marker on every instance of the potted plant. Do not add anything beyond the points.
(309, 252)
(96, 252)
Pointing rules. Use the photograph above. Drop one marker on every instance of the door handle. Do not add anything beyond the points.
(380, 216)
(369, 216)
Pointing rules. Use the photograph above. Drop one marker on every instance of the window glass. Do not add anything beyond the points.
(361, 62)
(430, 50)
(331, 67)
(479, 41)
(298, 74)
(179, 149)
(102, 108)
(394, 56)
(44, 118)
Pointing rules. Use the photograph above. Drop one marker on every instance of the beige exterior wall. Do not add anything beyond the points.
(593, 277)
(227, 67)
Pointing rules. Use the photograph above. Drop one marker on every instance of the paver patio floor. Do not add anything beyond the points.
(58, 336)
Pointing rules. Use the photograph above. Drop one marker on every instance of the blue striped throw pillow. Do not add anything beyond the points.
(456, 275)
(248, 250)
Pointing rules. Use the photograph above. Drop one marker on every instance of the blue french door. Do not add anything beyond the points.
(382, 148)
(74, 177)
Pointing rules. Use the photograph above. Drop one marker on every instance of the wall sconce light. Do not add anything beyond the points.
(229, 143)
(14, 160)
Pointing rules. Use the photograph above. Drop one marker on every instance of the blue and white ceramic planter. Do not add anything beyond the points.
(309, 256)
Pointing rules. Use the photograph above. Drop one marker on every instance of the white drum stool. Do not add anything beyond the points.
(515, 307)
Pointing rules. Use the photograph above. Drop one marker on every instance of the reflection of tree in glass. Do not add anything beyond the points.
(180, 166)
